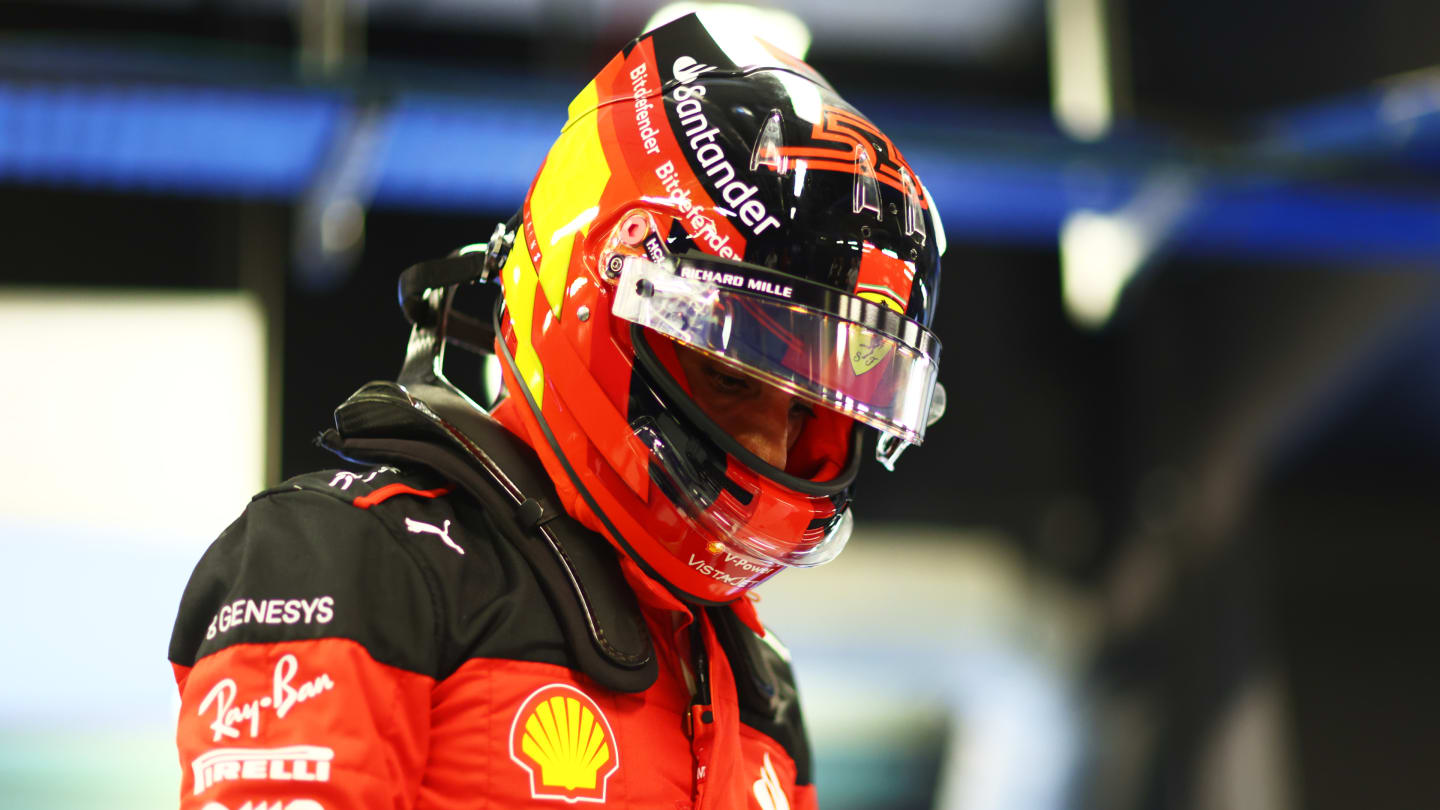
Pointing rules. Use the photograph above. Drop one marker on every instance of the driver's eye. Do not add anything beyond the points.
(724, 383)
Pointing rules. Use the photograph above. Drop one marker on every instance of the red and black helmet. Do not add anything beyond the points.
(712, 191)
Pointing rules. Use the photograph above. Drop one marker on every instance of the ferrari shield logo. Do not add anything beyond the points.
(562, 739)
(866, 349)
(885, 279)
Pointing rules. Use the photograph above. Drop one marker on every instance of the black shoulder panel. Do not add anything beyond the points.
(464, 554)
(489, 602)
(769, 699)
(380, 557)
(300, 564)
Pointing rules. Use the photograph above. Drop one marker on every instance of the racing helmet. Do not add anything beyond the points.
(711, 193)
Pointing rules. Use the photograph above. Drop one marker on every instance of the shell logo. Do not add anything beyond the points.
(563, 741)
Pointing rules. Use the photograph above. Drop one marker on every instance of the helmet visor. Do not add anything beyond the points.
(835, 350)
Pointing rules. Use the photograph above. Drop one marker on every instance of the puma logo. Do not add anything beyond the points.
(443, 532)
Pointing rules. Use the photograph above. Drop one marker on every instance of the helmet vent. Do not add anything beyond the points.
(768, 144)
(867, 190)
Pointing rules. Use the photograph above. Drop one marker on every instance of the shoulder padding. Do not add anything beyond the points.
(300, 563)
(437, 428)
(422, 579)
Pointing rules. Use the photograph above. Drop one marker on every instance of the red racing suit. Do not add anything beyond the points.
(404, 637)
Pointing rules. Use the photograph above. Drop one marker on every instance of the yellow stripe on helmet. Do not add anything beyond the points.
(563, 202)
(519, 279)
(566, 195)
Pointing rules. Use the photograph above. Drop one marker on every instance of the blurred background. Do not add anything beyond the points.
(1168, 549)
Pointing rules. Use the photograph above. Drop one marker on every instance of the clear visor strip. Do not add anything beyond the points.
(657, 297)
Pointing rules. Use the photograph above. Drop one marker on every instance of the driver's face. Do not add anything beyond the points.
(764, 419)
